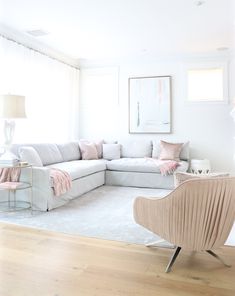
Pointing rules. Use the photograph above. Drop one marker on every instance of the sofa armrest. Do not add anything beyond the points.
(41, 175)
(154, 214)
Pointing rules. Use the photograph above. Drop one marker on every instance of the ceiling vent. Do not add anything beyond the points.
(37, 33)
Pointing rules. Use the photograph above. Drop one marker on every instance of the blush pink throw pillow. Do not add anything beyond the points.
(98, 144)
(88, 150)
(170, 151)
(99, 148)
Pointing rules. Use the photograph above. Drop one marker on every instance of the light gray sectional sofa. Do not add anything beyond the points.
(134, 168)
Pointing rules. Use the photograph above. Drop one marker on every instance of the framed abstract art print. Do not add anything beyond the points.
(150, 104)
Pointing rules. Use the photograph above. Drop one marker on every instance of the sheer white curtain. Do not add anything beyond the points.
(51, 91)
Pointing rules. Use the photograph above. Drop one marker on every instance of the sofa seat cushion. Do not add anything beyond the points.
(80, 168)
(143, 165)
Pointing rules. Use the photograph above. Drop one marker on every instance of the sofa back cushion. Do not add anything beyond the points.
(30, 155)
(184, 153)
(49, 153)
(136, 149)
(69, 151)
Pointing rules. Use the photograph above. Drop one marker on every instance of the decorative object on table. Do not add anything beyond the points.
(150, 104)
(11, 107)
(212, 203)
(200, 166)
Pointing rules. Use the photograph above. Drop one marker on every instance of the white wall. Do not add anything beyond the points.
(208, 126)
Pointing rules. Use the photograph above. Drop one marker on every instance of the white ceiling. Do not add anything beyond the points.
(98, 29)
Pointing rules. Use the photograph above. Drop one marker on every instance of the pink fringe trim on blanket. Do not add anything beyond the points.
(167, 167)
(61, 181)
(9, 174)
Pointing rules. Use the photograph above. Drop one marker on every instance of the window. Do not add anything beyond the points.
(207, 84)
(99, 102)
(51, 91)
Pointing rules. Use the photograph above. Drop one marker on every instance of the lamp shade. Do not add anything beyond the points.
(12, 106)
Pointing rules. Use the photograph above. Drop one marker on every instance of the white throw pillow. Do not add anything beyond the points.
(111, 151)
(180, 177)
(30, 155)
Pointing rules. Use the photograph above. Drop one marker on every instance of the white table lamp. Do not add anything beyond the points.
(11, 107)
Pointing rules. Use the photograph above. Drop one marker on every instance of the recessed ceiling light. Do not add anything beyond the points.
(199, 3)
(37, 33)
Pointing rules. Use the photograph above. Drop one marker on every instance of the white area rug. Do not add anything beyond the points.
(106, 213)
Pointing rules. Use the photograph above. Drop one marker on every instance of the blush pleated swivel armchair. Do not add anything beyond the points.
(198, 215)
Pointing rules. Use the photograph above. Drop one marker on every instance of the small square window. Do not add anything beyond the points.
(206, 84)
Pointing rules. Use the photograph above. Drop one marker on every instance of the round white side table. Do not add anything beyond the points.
(11, 187)
(200, 166)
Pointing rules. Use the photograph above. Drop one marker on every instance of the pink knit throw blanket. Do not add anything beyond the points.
(61, 181)
(9, 174)
(167, 167)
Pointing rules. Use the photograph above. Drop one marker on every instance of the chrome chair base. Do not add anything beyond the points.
(176, 253)
(173, 258)
(218, 257)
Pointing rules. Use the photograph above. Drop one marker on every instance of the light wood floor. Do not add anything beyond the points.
(35, 262)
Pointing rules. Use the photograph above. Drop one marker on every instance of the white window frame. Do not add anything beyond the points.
(208, 65)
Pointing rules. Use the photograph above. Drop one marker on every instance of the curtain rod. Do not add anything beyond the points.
(38, 51)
